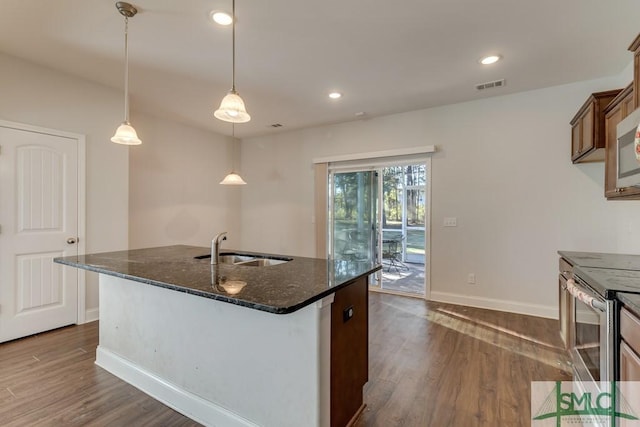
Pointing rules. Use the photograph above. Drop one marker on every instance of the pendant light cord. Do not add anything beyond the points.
(233, 147)
(233, 46)
(126, 69)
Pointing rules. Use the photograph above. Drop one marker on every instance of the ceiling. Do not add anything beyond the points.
(385, 57)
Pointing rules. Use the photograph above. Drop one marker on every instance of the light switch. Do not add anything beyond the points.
(450, 221)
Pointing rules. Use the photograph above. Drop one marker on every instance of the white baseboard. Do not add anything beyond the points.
(92, 315)
(496, 304)
(188, 404)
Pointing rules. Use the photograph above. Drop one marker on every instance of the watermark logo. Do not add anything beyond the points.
(566, 403)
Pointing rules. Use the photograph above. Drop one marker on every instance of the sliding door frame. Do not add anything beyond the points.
(369, 161)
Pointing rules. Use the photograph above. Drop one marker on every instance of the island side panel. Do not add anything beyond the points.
(216, 362)
(349, 351)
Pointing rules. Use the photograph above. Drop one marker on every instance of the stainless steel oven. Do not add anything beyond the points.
(593, 331)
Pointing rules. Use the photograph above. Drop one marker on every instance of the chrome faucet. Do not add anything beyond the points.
(215, 247)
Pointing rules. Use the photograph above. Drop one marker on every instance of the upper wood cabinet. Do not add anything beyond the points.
(635, 48)
(588, 128)
(621, 106)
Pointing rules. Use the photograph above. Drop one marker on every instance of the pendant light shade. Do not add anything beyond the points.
(126, 134)
(233, 179)
(232, 107)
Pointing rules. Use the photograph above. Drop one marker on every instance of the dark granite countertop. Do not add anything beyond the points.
(631, 301)
(280, 289)
(608, 274)
(608, 282)
(602, 260)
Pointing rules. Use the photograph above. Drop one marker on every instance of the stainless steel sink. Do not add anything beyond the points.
(234, 259)
(262, 262)
(248, 260)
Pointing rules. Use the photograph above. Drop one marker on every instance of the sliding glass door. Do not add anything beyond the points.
(381, 214)
(403, 232)
(353, 200)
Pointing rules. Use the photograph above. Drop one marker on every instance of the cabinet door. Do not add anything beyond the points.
(630, 329)
(629, 371)
(349, 351)
(628, 105)
(587, 125)
(629, 363)
(611, 121)
(588, 136)
(575, 139)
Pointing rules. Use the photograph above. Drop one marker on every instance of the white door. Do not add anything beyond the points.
(38, 222)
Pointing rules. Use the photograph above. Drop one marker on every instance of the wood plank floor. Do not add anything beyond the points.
(430, 365)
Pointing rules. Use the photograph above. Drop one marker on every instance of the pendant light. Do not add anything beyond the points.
(232, 107)
(126, 134)
(233, 178)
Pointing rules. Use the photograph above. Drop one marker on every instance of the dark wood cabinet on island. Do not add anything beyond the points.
(588, 128)
(349, 352)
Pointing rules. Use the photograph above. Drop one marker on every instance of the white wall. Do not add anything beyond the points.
(34, 95)
(503, 169)
(172, 182)
(175, 195)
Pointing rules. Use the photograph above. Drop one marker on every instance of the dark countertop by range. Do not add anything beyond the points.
(608, 282)
(602, 260)
(631, 301)
(608, 274)
(280, 289)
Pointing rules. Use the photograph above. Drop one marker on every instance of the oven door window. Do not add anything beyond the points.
(587, 337)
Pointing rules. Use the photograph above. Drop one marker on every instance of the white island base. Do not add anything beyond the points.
(215, 362)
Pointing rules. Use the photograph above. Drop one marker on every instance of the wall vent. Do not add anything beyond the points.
(276, 125)
(489, 85)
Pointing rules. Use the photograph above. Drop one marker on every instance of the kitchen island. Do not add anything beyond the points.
(233, 344)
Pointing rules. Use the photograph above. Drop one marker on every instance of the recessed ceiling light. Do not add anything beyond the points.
(491, 59)
(221, 18)
(335, 95)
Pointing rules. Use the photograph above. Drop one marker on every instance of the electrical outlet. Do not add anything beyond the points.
(347, 313)
(471, 279)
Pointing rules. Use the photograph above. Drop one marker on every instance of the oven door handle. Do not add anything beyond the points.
(584, 296)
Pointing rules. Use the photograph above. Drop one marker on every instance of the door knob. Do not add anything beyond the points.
(72, 240)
